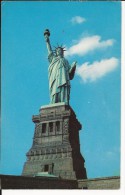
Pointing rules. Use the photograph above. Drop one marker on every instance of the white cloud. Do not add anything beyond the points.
(114, 152)
(78, 20)
(91, 72)
(88, 44)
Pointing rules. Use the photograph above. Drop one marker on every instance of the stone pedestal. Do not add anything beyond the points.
(56, 147)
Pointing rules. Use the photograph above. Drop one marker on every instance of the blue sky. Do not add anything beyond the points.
(91, 33)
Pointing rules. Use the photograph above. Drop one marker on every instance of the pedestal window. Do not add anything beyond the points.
(57, 126)
(50, 127)
(44, 128)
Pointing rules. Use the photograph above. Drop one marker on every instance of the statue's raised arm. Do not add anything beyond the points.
(46, 35)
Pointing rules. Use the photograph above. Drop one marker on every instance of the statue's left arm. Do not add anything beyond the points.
(72, 70)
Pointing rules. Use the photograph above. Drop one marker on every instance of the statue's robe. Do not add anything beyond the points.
(60, 73)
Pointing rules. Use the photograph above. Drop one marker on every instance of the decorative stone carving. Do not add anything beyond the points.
(65, 126)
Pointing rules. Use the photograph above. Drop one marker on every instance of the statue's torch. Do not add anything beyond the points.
(47, 33)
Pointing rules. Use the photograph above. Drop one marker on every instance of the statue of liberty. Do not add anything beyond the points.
(60, 73)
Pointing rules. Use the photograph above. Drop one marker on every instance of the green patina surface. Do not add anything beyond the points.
(45, 174)
(60, 73)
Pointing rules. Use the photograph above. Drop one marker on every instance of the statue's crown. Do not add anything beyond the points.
(61, 47)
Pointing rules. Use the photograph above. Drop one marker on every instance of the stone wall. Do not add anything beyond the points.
(21, 182)
(100, 183)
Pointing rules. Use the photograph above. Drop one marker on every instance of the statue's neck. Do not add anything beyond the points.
(60, 57)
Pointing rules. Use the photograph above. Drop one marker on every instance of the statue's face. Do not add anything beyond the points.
(59, 51)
